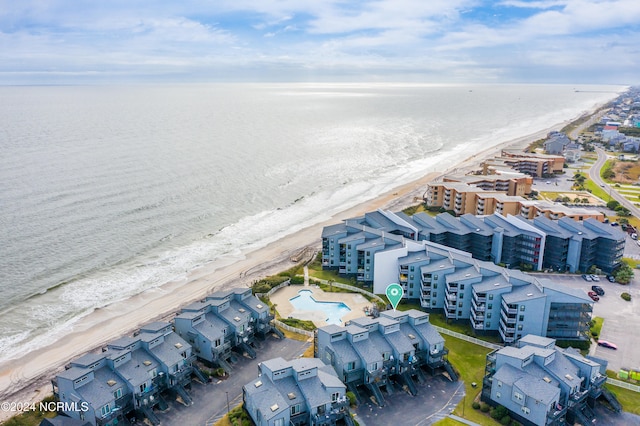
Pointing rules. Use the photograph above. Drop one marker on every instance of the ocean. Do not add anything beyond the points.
(109, 191)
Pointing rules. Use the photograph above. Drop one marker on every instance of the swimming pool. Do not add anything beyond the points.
(304, 301)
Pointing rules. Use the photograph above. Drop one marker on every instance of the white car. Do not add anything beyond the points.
(595, 277)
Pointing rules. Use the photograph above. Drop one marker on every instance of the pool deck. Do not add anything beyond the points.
(355, 301)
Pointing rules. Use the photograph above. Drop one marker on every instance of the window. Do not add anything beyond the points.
(143, 387)
(498, 394)
(278, 422)
(350, 366)
(521, 318)
(217, 342)
(459, 304)
(518, 396)
(488, 324)
(153, 373)
(461, 288)
(521, 308)
(461, 295)
(118, 393)
(412, 268)
(105, 410)
(490, 306)
(526, 410)
(499, 384)
(335, 396)
(411, 284)
(490, 296)
(435, 285)
(435, 277)
(295, 409)
(519, 327)
(488, 314)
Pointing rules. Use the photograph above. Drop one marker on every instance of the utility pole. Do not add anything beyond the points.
(227, 403)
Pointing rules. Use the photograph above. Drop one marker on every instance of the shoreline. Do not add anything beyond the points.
(28, 379)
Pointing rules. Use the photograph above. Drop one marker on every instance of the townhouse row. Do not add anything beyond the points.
(354, 246)
(374, 356)
(133, 375)
(544, 385)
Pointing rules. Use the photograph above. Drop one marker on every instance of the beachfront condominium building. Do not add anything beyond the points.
(223, 321)
(461, 198)
(534, 164)
(504, 181)
(512, 241)
(375, 353)
(543, 385)
(127, 377)
(301, 392)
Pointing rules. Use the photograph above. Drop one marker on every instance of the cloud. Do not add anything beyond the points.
(438, 39)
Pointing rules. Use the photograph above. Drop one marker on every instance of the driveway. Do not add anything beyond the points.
(210, 401)
(620, 318)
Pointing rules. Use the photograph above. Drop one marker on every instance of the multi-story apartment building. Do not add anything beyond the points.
(301, 392)
(460, 198)
(508, 182)
(512, 241)
(543, 385)
(375, 353)
(127, 378)
(225, 320)
(536, 165)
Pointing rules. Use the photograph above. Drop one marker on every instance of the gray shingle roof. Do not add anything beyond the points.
(137, 369)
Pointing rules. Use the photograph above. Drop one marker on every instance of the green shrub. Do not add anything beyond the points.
(499, 413)
(594, 334)
(239, 416)
(578, 344)
(505, 420)
(475, 405)
(352, 398)
(297, 280)
(626, 296)
(484, 407)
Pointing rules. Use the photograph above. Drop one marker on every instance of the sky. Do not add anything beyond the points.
(426, 41)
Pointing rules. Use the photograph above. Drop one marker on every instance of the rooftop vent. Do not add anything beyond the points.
(274, 407)
(496, 284)
(241, 309)
(178, 345)
(467, 275)
(568, 376)
(546, 379)
(146, 362)
(111, 382)
(529, 294)
(291, 395)
(411, 336)
(257, 384)
(259, 306)
(237, 319)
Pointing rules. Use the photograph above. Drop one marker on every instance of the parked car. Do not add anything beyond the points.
(606, 344)
(598, 290)
(611, 278)
(615, 224)
(594, 277)
(587, 277)
(593, 296)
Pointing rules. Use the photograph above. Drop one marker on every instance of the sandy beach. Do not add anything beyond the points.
(28, 378)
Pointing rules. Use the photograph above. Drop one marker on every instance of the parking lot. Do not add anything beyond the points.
(620, 318)
(210, 400)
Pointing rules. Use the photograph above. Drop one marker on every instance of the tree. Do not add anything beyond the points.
(622, 211)
(585, 200)
(612, 204)
(623, 274)
(577, 200)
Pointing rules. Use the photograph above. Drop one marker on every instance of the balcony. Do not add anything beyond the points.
(578, 397)
(354, 375)
(452, 297)
(555, 414)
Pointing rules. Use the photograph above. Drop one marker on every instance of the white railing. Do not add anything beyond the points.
(274, 289)
(624, 385)
(353, 288)
(293, 329)
(468, 338)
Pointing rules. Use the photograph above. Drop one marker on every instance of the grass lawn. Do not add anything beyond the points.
(469, 360)
(596, 190)
(630, 400)
(597, 326)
